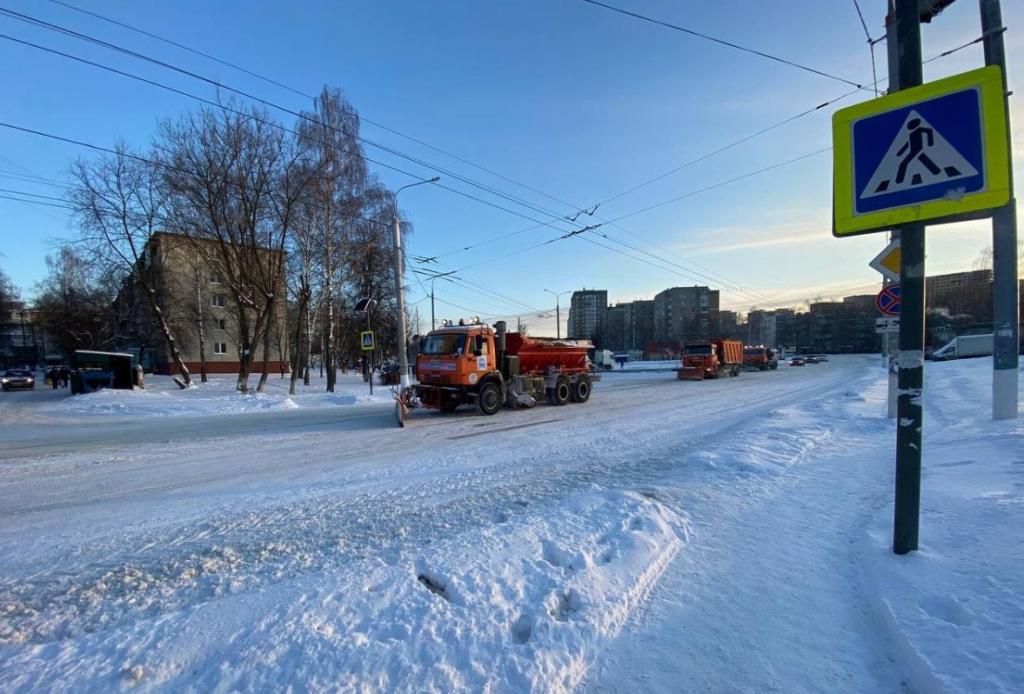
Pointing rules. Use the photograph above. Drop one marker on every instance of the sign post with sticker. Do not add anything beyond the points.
(925, 153)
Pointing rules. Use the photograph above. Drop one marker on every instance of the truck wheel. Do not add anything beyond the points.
(581, 389)
(562, 391)
(488, 401)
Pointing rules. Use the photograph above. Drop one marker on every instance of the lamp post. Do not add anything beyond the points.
(403, 356)
(558, 311)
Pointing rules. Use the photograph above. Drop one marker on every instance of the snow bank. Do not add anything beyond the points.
(161, 398)
(525, 603)
(955, 609)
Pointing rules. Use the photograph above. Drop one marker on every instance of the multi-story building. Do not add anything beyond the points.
(587, 314)
(685, 313)
(728, 324)
(639, 323)
(194, 297)
(614, 337)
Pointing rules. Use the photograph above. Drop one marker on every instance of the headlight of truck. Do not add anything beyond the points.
(5, 381)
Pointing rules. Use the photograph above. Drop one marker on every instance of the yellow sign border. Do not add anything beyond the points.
(373, 341)
(989, 81)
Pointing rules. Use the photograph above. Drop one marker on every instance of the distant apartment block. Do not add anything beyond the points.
(587, 311)
(686, 313)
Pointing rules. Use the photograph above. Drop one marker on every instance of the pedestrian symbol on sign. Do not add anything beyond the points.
(918, 156)
(366, 337)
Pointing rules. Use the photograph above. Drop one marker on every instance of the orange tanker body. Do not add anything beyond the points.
(478, 365)
(714, 359)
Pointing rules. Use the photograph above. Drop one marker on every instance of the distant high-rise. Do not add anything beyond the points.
(587, 314)
(686, 313)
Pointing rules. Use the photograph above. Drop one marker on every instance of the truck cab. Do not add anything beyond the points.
(453, 361)
(714, 359)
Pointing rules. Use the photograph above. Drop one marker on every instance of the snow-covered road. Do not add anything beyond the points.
(689, 536)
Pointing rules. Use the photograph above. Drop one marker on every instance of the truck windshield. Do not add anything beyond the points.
(702, 350)
(444, 343)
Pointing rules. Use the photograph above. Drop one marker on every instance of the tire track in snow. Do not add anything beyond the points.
(197, 562)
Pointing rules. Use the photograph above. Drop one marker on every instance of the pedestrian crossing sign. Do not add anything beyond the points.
(936, 152)
(366, 340)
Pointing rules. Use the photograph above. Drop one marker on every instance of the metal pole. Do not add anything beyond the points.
(892, 55)
(369, 354)
(558, 319)
(403, 346)
(1005, 311)
(910, 402)
(433, 324)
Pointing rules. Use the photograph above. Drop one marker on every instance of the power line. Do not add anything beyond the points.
(220, 85)
(301, 93)
(723, 42)
(81, 36)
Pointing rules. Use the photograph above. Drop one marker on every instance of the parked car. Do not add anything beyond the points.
(812, 359)
(18, 379)
(797, 361)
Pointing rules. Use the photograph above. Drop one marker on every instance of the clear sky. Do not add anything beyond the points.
(568, 98)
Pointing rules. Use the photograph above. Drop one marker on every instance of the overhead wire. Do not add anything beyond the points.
(306, 95)
(723, 42)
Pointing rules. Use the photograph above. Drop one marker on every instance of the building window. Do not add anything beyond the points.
(220, 347)
(222, 323)
(215, 278)
(217, 300)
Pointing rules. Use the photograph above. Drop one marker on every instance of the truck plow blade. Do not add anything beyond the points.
(690, 373)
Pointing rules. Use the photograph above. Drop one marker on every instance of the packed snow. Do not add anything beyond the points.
(666, 536)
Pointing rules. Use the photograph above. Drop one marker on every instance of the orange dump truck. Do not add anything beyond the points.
(489, 368)
(714, 359)
(760, 358)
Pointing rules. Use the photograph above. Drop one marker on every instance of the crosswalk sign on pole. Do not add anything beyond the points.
(935, 152)
(366, 340)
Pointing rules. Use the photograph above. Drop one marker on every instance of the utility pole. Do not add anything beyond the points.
(910, 401)
(1005, 311)
(433, 323)
(403, 345)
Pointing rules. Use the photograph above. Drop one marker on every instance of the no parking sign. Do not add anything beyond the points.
(888, 300)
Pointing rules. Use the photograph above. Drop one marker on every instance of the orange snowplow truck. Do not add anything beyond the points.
(475, 365)
(760, 358)
(715, 359)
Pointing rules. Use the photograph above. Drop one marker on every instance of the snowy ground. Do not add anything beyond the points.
(667, 536)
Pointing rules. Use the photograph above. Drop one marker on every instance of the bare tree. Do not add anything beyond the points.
(331, 149)
(75, 302)
(120, 205)
(225, 169)
(9, 297)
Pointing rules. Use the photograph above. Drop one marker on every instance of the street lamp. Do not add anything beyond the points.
(558, 311)
(403, 356)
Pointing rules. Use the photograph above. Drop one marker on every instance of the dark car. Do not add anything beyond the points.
(18, 379)
(797, 361)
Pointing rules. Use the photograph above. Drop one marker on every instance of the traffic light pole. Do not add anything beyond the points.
(1005, 311)
(910, 400)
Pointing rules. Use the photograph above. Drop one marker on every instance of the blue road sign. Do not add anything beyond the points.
(888, 300)
(937, 152)
(919, 153)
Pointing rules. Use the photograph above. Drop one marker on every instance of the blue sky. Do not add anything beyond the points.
(571, 99)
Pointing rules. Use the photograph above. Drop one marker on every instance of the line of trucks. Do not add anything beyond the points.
(491, 368)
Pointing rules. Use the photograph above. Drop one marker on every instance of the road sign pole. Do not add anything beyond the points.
(1005, 311)
(910, 401)
(892, 55)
